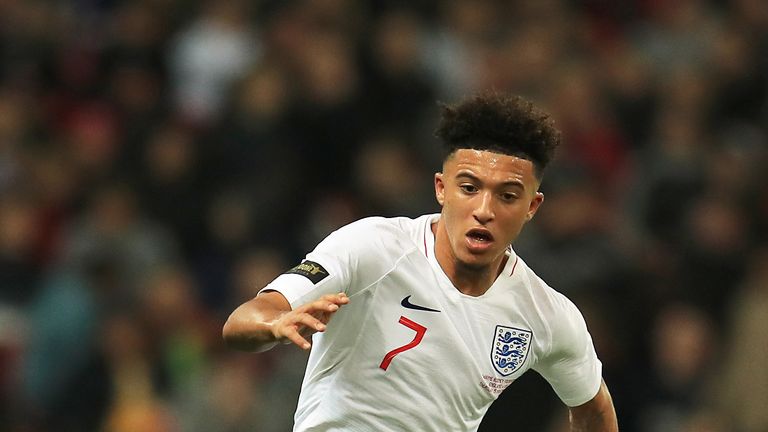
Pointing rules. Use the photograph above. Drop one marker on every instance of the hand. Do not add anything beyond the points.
(294, 326)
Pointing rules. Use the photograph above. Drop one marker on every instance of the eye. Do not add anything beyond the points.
(468, 188)
(508, 196)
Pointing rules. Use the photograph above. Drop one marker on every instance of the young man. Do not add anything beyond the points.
(433, 317)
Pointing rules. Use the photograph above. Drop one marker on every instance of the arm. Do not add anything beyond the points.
(597, 415)
(259, 324)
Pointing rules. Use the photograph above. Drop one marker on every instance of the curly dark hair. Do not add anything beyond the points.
(499, 123)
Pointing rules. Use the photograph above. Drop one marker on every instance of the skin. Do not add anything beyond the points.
(266, 320)
(597, 415)
(480, 192)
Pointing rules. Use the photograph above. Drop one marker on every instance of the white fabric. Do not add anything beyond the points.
(448, 380)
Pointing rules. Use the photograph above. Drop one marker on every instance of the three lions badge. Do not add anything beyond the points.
(510, 348)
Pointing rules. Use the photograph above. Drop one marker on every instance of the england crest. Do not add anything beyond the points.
(510, 348)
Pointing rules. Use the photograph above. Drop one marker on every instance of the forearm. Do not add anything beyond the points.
(248, 331)
(597, 415)
(596, 422)
(249, 327)
(261, 323)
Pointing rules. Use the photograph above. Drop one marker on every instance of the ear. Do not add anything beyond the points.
(439, 188)
(534, 207)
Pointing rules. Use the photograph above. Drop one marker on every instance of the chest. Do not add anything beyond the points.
(413, 327)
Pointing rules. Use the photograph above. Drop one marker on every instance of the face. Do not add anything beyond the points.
(486, 197)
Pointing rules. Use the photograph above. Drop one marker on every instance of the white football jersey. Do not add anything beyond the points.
(412, 353)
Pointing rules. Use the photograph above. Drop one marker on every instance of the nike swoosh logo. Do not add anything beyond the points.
(406, 303)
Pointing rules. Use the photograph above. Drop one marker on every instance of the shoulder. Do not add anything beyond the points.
(376, 232)
(559, 314)
(376, 225)
(385, 225)
(373, 240)
(365, 250)
(551, 301)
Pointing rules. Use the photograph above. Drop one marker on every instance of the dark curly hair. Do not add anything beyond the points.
(502, 124)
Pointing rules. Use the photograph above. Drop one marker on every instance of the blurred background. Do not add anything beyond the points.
(161, 160)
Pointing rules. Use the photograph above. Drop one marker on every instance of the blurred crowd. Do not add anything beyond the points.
(161, 160)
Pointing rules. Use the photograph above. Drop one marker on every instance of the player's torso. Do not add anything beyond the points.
(414, 353)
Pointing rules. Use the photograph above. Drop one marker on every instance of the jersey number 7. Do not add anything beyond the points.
(418, 328)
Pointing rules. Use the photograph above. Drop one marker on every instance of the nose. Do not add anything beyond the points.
(483, 212)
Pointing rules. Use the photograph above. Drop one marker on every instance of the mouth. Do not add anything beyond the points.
(479, 238)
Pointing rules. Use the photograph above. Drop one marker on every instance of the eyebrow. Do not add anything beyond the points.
(514, 183)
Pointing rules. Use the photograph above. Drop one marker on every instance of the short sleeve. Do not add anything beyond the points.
(571, 367)
(346, 261)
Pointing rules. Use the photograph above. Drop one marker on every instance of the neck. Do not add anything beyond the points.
(470, 280)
